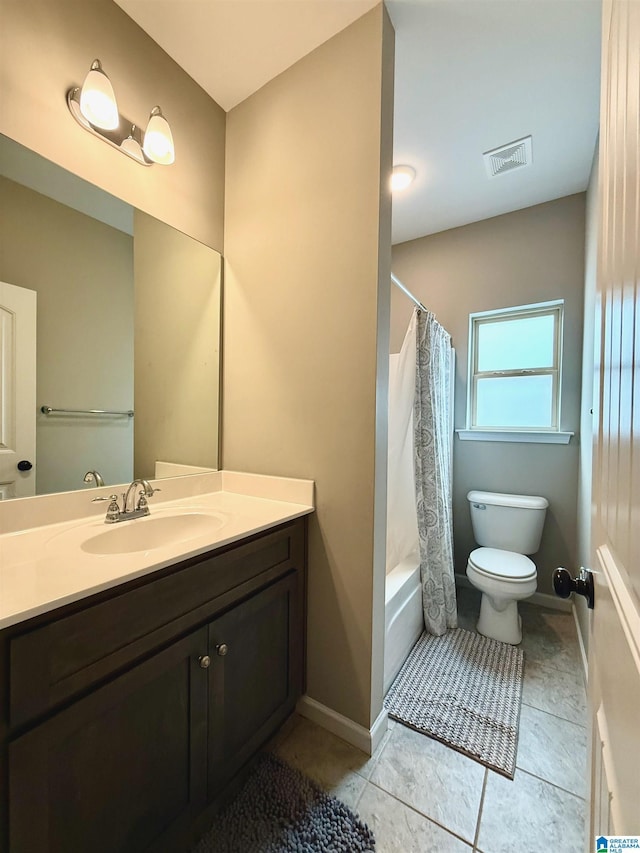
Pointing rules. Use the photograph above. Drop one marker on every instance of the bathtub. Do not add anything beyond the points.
(403, 615)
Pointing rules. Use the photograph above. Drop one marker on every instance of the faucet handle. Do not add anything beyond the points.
(143, 503)
(113, 510)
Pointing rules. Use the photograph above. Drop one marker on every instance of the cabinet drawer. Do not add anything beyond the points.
(53, 662)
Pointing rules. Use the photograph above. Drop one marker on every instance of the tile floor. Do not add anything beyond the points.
(419, 795)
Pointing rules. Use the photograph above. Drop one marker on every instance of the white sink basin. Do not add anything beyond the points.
(146, 534)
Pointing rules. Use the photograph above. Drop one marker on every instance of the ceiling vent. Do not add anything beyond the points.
(508, 157)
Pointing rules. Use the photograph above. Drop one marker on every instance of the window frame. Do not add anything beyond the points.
(553, 308)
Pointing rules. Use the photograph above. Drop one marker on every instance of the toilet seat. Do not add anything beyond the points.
(502, 565)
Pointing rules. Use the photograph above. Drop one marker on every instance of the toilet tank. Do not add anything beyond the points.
(509, 522)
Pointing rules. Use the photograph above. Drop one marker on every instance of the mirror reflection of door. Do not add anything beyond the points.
(17, 391)
(82, 271)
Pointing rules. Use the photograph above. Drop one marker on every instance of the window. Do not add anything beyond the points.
(515, 369)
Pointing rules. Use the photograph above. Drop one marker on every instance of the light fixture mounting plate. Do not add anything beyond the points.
(126, 129)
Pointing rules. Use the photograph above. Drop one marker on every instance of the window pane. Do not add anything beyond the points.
(519, 344)
(515, 401)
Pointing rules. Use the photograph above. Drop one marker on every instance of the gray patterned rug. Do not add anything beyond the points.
(463, 689)
(279, 810)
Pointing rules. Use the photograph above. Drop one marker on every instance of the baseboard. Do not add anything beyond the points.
(551, 601)
(365, 739)
(542, 599)
(583, 651)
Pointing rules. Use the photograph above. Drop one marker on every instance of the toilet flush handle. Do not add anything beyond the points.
(479, 506)
(564, 584)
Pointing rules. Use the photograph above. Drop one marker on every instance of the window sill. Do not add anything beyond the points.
(530, 437)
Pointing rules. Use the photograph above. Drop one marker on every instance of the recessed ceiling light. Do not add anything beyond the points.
(401, 177)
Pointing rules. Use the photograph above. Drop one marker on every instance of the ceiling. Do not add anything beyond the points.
(471, 75)
(233, 47)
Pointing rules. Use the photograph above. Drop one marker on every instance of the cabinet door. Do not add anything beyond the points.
(255, 678)
(117, 769)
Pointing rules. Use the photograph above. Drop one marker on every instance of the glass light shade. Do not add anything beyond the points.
(98, 100)
(401, 177)
(158, 140)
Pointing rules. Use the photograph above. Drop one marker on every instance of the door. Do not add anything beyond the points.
(255, 678)
(17, 391)
(119, 769)
(614, 649)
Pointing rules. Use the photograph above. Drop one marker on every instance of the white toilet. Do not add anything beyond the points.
(507, 527)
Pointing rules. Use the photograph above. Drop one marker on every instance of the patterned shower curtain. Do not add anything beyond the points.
(432, 449)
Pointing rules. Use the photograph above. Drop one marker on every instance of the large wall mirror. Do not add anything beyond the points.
(109, 335)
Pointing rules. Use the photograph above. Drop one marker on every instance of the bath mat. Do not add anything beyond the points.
(463, 689)
(279, 810)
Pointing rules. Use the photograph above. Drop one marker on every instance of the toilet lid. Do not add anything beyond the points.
(502, 564)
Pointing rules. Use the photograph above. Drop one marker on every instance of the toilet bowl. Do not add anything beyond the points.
(507, 527)
(503, 578)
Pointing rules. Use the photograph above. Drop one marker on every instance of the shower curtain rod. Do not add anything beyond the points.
(404, 289)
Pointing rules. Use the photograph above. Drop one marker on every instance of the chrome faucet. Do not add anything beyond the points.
(95, 477)
(115, 514)
(147, 491)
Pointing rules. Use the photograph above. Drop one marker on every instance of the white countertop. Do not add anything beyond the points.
(43, 567)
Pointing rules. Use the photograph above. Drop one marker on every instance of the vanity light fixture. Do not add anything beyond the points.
(93, 105)
(401, 177)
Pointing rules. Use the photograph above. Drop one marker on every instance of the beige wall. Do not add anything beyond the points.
(82, 271)
(528, 256)
(177, 347)
(48, 46)
(307, 257)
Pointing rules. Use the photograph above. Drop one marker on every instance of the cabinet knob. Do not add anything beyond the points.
(204, 661)
(222, 649)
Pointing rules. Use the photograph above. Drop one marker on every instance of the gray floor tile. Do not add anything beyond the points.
(348, 788)
(529, 815)
(438, 781)
(367, 768)
(549, 637)
(559, 692)
(399, 829)
(331, 762)
(419, 788)
(283, 732)
(554, 749)
(468, 607)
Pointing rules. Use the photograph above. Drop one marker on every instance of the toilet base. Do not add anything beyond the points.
(502, 624)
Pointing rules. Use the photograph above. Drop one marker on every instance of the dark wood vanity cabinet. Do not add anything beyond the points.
(118, 768)
(152, 730)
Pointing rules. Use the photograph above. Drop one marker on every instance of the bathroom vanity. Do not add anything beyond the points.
(127, 714)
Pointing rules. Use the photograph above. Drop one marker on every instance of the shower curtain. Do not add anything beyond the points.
(432, 448)
(402, 520)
